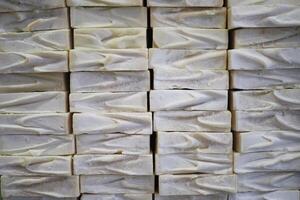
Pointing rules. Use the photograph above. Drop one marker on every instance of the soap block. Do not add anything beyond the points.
(117, 184)
(26, 42)
(262, 2)
(109, 3)
(39, 198)
(117, 196)
(276, 195)
(110, 81)
(113, 144)
(37, 145)
(169, 100)
(27, 5)
(193, 197)
(189, 17)
(108, 60)
(110, 38)
(36, 186)
(190, 38)
(108, 102)
(40, 166)
(104, 123)
(185, 3)
(215, 121)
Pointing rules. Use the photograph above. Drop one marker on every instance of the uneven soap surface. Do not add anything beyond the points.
(105, 2)
(26, 5)
(116, 196)
(276, 195)
(193, 197)
(262, 2)
(186, 3)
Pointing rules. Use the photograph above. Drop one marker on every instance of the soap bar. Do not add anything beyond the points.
(194, 142)
(263, 59)
(189, 17)
(127, 123)
(26, 5)
(267, 38)
(117, 196)
(108, 60)
(42, 166)
(201, 184)
(39, 198)
(109, 3)
(192, 121)
(165, 79)
(35, 186)
(274, 195)
(113, 144)
(262, 2)
(185, 3)
(110, 81)
(190, 38)
(26, 42)
(193, 197)
(286, 99)
(266, 120)
(110, 38)
(113, 164)
(117, 184)
(188, 100)
(192, 60)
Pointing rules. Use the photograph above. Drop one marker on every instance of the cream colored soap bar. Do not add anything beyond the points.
(108, 60)
(188, 100)
(188, 17)
(56, 40)
(273, 195)
(110, 38)
(192, 121)
(26, 5)
(185, 3)
(110, 81)
(192, 60)
(117, 184)
(190, 38)
(113, 144)
(34, 186)
(117, 197)
(108, 102)
(170, 185)
(110, 3)
(193, 197)
(262, 2)
(128, 123)
(41, 166)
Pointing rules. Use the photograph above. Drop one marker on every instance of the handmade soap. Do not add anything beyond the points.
(193, 197)
(273, 195)
(262, 2)
(39, 198)
(110, 3)
(26, 5)
(118, 196)
(185, 3)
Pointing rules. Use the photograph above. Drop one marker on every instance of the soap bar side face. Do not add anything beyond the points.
(27, 5)
(116, 196)
(262, 2)
(276, 195)
(193, 197)
(185, 3)
(109, 3)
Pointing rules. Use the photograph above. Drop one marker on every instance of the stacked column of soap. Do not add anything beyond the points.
(265, 72)
(109, 84)
(194, 157)
(35, 144)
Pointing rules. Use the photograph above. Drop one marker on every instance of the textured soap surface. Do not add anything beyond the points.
(274, 195)
(262, 2)
(39, 198)
(105, 3)
(186, 3)
(193, 197)
(26, 5)
(117, 196)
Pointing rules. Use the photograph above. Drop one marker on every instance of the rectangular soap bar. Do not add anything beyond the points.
(117, 196)
(109, 3)
(187, 59)
(108, 102)
(190, 38)
(189, 17)
(201, 184)
(188, 100)
(110, 81)
(262, 2)
(274, 195)
(103, 123)
(25, 42)
(193, 197)
(110, 38)
(37, 145)
(113, 144)
(192, 121)
(41, 166)
(26, 5)
(108, 60)
(185, 3)
(38, 198)
(35, 186)
(117, 184)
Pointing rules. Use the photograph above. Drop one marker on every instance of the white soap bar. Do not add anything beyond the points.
(194, 142)
(110, 38)
(109, 3)
(165, 79)
(38, 198)
(113, 144)
(110, 81)
(286, 99)
(117, 197)
(266, 120)
(26, 5)
(267, 38)
(190, 38)
(188, 100)
(265, 79)
(189, 17)
(193, 197)
(192, 121)
(192, 60)
(259, 141)
(37, 145)
(41, 166)
(174, 185)
(108, 102)
(34, 186)
(263, 59)
(108, 60)
(35, 41)
(97, 123)
(117, 184)
(274, 195)
(262, 2)
(185, 3)
(35, 102)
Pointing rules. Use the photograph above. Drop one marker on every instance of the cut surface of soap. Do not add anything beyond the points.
(262, 2)
(193, 197)
(109, 3)
(39, 198)
(116, 196)
(26, 5)
(274, 195)
(185, 3)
